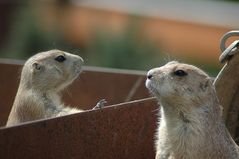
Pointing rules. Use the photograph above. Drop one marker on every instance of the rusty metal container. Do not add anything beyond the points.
(125, 128)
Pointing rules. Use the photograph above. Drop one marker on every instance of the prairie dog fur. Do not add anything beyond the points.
(191, 124)
(43, 76)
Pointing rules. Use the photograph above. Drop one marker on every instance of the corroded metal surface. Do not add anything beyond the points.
(227, 87)
(116, 132)
(9, 79)
(114, 87)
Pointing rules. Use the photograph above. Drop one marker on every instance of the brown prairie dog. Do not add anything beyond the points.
(191, 124)
(43, 76)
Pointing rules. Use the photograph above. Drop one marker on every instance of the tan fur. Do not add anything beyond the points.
(191, 125)
(42, 79)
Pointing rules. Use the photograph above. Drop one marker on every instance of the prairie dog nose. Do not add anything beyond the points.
(151, 74)
(155, 72)
(79, 59)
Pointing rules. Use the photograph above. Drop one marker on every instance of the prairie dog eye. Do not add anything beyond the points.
(180, 73)
(60, 58)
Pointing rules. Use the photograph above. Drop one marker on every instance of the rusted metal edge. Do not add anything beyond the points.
(11, 61)
(113, 70)
(114, 106)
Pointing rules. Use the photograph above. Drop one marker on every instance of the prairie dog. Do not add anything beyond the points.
(191, 124)
(43, 76)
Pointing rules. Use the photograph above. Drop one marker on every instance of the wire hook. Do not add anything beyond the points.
(226, 36)
(231, 49)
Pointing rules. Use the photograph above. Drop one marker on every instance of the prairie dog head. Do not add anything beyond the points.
(51, 70)
(179, 83)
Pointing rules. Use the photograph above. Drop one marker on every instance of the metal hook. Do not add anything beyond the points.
(226, 36)
(231, 49)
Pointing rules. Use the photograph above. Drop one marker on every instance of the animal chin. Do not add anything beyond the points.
(152, 88)
(155, 92)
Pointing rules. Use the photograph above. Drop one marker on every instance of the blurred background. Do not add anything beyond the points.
(119, 34)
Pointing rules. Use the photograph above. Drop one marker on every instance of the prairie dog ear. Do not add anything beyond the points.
(36, 67)
(205, 84)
